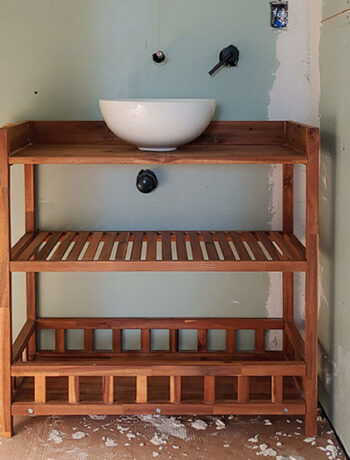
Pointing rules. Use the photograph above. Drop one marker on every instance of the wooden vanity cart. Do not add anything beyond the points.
(116, 381)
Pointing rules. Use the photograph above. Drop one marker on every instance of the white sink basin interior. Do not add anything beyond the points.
(159, 125)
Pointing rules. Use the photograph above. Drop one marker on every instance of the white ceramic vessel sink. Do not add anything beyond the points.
(158, 125)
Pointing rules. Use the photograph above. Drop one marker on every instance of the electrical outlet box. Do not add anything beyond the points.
(279, 14)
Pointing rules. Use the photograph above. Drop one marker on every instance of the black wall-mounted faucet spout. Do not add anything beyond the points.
(228, 57)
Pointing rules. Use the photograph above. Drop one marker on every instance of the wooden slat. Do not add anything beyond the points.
(64, 245)
(175, 389)
(272, 237)
(88, 339)
(195, 246)
(78, 247)
(22, 339)
(145, 340)
(230, 340)
(164, 368)
(137, 245)
(257, 407)
(40, 389)
(93, 246)
(277, 389)
(21, 244)
(141, 389)
(49, 245)
(240, 248)
(202, 340)
(173, 340)
(286, 247)
(33, 246)
(117, 343)
(259, 340)
(269, 246)
(180, 246)
(210, 246)
(254, 246)
(159, 323)
(166, 246)
(295, 338)
(151, 245)
(73, 389)
(209, 389)
(123, 240)
(108, 245)
(108, 389)
(243, 389)
(60, 340)
(225, 247)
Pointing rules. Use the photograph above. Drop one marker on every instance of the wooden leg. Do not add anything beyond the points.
(6, 419)
(29, 187)
(311, 289)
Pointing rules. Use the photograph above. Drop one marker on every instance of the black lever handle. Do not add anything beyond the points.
(220, 64)
(228, 57)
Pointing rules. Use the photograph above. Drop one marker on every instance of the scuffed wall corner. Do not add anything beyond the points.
(295, 95)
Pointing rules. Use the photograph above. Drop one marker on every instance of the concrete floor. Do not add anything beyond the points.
(147, 437)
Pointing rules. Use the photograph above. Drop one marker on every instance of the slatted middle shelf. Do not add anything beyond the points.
(158, 251)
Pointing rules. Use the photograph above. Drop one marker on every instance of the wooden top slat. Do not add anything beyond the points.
(62, 248)
(108, 245)
(181, 246)
(225, 247)
(151, 245)
(254, 246)
(93, 246)
(50, 244)
(123, 241)
(195, 246)
(240, 248)
(137, 246)
(270, 247)
(78, 247)
(33, 246)
(187, 154)
(210, 246)
(166, 246)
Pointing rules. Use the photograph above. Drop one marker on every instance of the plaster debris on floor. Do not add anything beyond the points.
(156, 436)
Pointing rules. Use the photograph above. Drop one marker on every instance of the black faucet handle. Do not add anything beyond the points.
(228, 57)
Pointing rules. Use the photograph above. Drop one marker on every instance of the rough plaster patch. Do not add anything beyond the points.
(295, 95)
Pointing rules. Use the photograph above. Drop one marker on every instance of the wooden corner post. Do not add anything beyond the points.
(311, 292)
(5, 289)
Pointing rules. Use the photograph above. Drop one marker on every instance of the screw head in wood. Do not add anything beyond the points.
(158, 410)
(30, 411)
(286, 410)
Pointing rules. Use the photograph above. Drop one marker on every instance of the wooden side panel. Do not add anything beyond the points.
(40, 389)
(141, 389)
(73, 389)
(175, 389)
(296, 135)
(18, 135)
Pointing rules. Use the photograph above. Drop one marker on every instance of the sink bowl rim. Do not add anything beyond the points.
(161, 100)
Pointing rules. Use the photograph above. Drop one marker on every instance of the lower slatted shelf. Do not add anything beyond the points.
(147, 380)
(159, 251)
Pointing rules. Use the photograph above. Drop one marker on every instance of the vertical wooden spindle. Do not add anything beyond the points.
(73, 389)
(230, 340)
(202, 340)
(88, 340)
(173, 340)
(243, 389)
(40, 389)
(141, 389)
(60, 341)
(259, 340)
(117, 337)
(209, 389)
(108, 389)
(145, 340)
(277, 389)
(175, 389)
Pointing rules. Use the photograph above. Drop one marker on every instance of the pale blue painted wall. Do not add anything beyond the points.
(74, 52)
